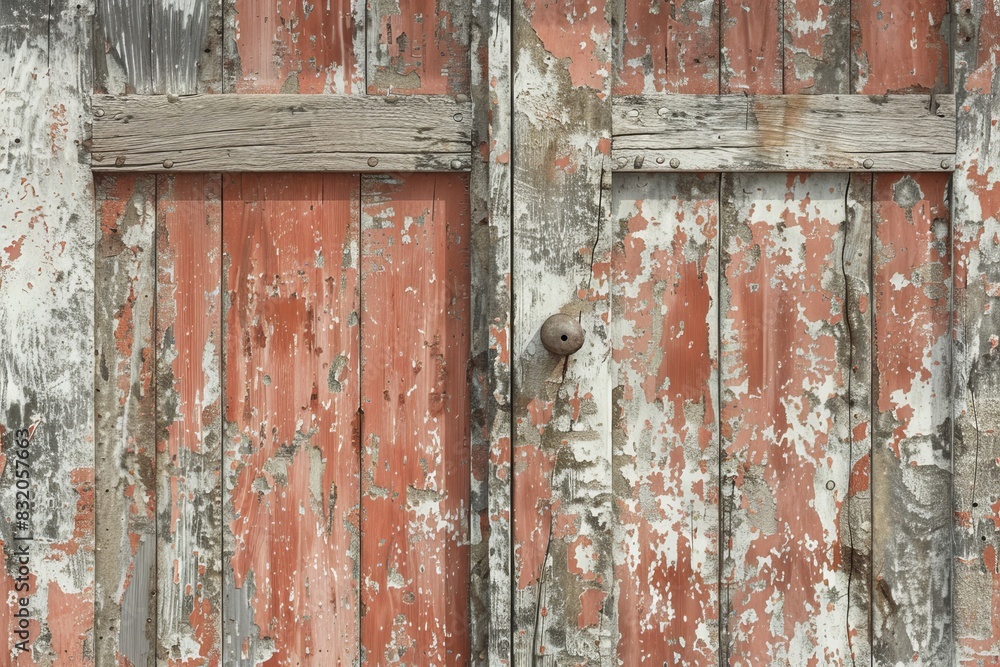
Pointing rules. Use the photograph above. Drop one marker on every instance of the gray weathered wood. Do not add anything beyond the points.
(233, 133)
(784, 133)
(47, 330)
(491, 587)
(976, 351)
(564, 614)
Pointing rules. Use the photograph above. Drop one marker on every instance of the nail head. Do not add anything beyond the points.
(869, 163)
(373, 162)
(674, 163)
(167, 164)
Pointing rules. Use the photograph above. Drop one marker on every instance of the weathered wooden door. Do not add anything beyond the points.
(272, 281)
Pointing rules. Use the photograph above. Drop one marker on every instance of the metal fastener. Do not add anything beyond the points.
(98, 113)
(120, 161)
(456, 164)
(633, 113)
(830, 485)
(662, 111)
(674, 163)
(945, 164)
(562, 334)
(660, 160)
(167, 164)
(869, 163)
(458, 117)
(373, 162)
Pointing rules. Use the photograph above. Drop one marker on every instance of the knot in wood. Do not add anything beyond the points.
(562, 334)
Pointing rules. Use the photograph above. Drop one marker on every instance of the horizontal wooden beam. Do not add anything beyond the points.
(233, 133)
(784, 133)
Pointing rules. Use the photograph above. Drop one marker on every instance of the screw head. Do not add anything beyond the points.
(373, 162)
(562, 334)
(945, 164)
(869, 163)
(674, 163)
(458, 117)
(98, 113)
(167, 164)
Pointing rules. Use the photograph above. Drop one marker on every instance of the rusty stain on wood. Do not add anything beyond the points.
(47, 293)
(415, 327)
(189, 420)
(976, 313)
(125, 407)
(291, 452)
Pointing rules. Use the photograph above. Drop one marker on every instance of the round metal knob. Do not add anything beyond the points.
(562, 334)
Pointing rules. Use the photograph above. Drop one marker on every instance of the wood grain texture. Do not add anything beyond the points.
(46, 325)
(288, 47)
(669, 47)
(189, 420)
(816, 53)
(491, 576)
(241, 133)
(751, 55)
(125, 410)
(911, 467)
(794, 417)
(415, 329)
(158, 46)
(976, 407)
(902, 46)
(664, 325)
(564, 613)
(291, 437)
(418, 46)
(734, 133)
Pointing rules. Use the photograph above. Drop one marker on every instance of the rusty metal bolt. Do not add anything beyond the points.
(562, 334)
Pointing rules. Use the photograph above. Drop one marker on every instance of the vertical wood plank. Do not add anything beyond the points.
(125, 407)
(415, 329)
(491, 582)
(288, 47)
(751, 47)
(903, 46)
(911, 452)
(46, 325)
(418, 46)
(188, 419)
(292, 391)
(816, 46)
(562, 456)
(665, 349)
(667, 47)
(976, 411)
(794, 416)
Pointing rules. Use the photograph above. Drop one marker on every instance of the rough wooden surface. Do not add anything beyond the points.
(415, 327)
(288, 47)
(125, 410)
(562, 241)
(47, 329)
(731, 133)
(976, 408)
(664, 324)
(904, 48)
(188, 420)
(241, 133)
(794, 417)
(491, 583)
(292, 390)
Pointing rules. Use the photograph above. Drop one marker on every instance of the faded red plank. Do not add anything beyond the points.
(911, 457)
(415, 439)
(816, 46)
(125, 407)
(666, 447)
(900, 46)
(280, 46)
(291, 455)
(790, 430)
(189, 427)
(668, 47)
(976, 410)
(751, 47)
(418, 46)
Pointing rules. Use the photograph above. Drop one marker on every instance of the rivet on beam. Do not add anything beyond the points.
(674, 163)
(945, 164)
(98, 113)
(456, 164)
(373, 162)
(167, 164)
(869, 163)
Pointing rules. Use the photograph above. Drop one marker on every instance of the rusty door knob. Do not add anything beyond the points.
(562, 334)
